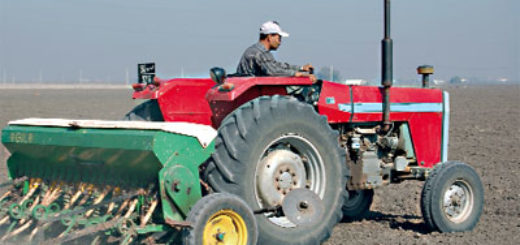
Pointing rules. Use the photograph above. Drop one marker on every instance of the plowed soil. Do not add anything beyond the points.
(485, 133)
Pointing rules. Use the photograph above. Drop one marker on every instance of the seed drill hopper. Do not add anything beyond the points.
(111, 182)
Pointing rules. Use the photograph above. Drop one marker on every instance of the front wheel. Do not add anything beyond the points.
(357, 204)
(220, 218)
(452, 198)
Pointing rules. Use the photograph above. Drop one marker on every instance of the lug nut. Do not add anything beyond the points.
(220, 236)
(304, 205)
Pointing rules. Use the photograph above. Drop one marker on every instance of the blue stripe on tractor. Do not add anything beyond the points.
(394, 107)
(445, 126)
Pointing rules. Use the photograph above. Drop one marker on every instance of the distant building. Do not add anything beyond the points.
(354, 82)
(438, 82)
(457, 80)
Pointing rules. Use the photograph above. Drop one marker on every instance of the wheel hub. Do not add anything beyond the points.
(285, 180)
(457, 202)
(225, 227)
(280, 172)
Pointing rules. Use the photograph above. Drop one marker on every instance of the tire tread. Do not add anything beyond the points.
(431, 193)
(261, 109)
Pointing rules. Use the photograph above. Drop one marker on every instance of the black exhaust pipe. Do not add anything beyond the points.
(387, 68)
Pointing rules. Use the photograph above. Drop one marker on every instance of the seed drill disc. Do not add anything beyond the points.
(302, 207)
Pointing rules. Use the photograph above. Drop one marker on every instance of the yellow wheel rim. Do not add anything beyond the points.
(225, 227)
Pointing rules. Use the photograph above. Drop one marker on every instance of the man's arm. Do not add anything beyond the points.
(304, 74)
(270, 67)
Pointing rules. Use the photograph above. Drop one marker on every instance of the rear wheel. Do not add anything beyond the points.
(220, 218)
(270, 146)
(452, 198)
(358, 204)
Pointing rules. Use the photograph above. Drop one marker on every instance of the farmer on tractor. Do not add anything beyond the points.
(257, 60)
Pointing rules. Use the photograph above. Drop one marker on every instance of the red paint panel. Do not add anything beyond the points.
(425, 127)
(149, 92)
(426, 131)
(373, 94)
(243, 84)
(341, 95)
(377, 116)
(370, 94)
(221, 108)
(366, 94)
(183, 100)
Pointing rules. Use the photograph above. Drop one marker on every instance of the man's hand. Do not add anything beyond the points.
(303, 74)
(307, 67)
(313, 78)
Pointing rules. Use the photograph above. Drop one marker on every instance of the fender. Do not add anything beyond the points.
(181, 99)
(244, 89)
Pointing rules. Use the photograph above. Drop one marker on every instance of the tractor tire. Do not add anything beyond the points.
(271, 145)
(146, 111)
(357, 205)
(220, 218)
(452, 198)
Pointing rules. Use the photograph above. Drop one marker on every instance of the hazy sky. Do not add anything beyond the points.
(102, 39)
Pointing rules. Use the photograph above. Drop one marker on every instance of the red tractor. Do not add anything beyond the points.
(281, 135)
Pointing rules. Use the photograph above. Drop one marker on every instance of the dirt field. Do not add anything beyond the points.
(485, 132)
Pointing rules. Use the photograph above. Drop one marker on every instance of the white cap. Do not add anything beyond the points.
(272, 27)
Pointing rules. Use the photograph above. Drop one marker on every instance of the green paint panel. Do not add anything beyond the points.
(123, 157)
(408, 143)
(182, 187)
(127, 158)
(152, 228)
